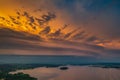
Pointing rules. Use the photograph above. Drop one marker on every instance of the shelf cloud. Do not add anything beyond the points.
(60, 27)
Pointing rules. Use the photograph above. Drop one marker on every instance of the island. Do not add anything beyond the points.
(64, 68)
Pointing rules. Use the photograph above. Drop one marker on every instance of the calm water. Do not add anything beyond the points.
(73, 73)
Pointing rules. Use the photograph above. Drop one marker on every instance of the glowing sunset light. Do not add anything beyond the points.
(42, 27)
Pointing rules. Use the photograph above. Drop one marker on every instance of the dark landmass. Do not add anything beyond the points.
(13, 67)
(5, 70)
(64, 68)
(18, 76)
(107, 65)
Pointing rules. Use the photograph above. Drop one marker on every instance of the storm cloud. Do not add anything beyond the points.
(61, 27)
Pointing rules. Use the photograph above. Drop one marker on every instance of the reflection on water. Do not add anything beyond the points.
(74, 73)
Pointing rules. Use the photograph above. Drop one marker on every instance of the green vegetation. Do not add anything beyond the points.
(18, 76)
(13, 67)
(6, 68)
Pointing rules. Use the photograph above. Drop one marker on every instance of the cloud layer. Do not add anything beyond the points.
(60, 27)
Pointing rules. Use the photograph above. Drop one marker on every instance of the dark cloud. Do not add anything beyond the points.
(14, 20)
(40, 21)
(99, 17)
(56, 35)
(8, 33)
(94, 23)
(2, 18)
(11, 40)
(70, 33)
(92, 39)
(45, 31)
(79, 36)
(48, 17)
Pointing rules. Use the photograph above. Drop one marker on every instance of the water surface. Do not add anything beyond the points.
(74, 73)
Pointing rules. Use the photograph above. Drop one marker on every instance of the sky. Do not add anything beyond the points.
(60, 27)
